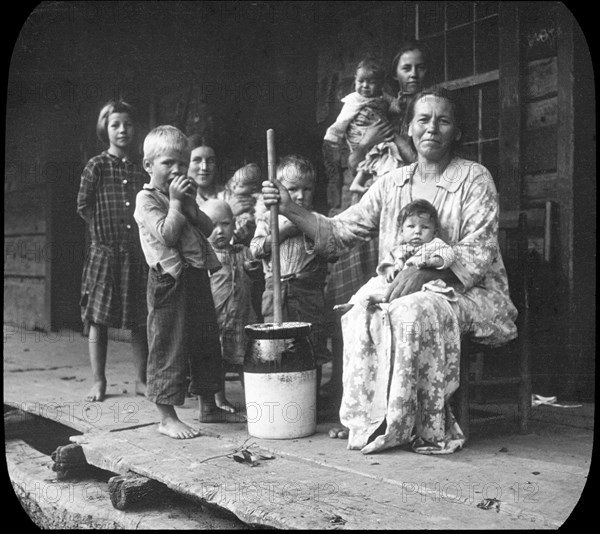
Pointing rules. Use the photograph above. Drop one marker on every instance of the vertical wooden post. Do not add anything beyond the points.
(510, 81)
(565, 135)
(51, 323)
(565, 169)
(275, 261)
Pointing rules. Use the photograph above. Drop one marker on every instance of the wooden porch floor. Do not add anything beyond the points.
(313, 482)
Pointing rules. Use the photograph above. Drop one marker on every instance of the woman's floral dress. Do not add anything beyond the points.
(401, 360)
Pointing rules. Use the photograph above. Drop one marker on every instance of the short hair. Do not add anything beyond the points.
(163, 138)
(419, 207)
(248, 174)
(300, 163)
(409, 46)
(374, 66)
(113, 106)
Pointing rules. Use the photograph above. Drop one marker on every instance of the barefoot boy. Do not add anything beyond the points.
(183, 336)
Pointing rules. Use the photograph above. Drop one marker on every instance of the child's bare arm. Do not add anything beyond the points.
(406, 151)
(433, 261)
(358, 184)
(240, 204)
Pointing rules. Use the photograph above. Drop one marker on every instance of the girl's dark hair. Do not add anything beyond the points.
(419, 207)
(113, 106)
(197, 140)
(409, 46)
(452, 97)
(374, 66)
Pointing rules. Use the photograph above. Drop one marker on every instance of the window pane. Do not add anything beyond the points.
(484, 9)
(468, 151)
(486, 45)
(489, 158)
(459, 44)
(458, 13)
(469, 101)
(431, 18)
(489, 110)
(435, 64)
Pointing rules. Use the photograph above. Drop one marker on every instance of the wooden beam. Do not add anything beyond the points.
(47, 326)
(69, 462)
(565, 128)
(576, 189)
(565, 143)
(125, 491)
(470, 81)
(510, 82)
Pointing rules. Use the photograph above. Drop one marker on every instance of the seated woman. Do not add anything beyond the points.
(401, 360)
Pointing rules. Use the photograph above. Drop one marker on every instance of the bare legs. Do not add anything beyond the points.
(220, 398)
(98, 348)
(97, 344)
(207, 409)
(139, 349)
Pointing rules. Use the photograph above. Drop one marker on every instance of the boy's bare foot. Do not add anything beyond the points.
(140, 388)
(176, 429)
(97, 392)
(208, 412)
(222, 402)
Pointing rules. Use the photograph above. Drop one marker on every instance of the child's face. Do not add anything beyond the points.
(203, 164)
(418, 229)
(410, 71)
(223, 228)
(301, 188)
(120, 130)
(365, 83)
(166, 166)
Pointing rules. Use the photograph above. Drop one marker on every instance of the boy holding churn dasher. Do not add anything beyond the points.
(183, 334)
(303, 272)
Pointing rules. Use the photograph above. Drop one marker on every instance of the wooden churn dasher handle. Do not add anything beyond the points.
(275, 257)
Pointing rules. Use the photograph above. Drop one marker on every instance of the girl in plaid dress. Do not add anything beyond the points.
(113, 288)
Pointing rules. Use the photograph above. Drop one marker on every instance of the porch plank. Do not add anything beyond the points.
(291, 492)
(278, 493)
